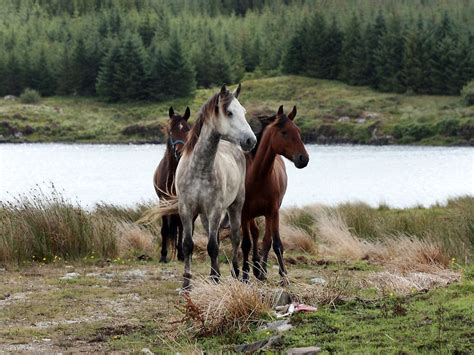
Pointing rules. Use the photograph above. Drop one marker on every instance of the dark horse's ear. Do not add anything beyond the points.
(280, 110)
(292, 114)
(237, 91)
(171, 112)
(187, 113)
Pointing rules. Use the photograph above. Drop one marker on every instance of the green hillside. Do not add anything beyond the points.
(328, 112)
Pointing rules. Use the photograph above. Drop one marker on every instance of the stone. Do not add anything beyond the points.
(9, 97)
(146, 351)
(282, 297)
(309, 350)
(318, 281)
(70, 276)
(259, 345)
(279, 325)
(344, 119)
(360, 120)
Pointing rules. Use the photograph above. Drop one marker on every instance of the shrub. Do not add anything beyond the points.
(467, 93)
(30, 96)
(448, 127)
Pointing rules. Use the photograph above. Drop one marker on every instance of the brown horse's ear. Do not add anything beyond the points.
(171, 112)
(292, 114)
(223, 90)
(187, 113)
(237, 91)
(280, 110)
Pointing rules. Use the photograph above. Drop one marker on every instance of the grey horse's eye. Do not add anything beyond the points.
(229, 114)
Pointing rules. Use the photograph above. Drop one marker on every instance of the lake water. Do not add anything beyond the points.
(122, 174)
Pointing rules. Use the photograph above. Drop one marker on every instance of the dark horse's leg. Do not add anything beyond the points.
(246, 246)
(179, 245)
(164, 238)
(257, 267)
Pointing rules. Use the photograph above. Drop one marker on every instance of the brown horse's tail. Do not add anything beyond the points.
(165, 208)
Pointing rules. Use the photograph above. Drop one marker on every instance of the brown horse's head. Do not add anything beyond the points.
(177, 130)
(284, 137)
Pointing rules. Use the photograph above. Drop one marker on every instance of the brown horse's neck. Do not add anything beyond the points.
(262, 163)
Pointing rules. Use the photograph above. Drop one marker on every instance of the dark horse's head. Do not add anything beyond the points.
(177, 130)
(284, 137)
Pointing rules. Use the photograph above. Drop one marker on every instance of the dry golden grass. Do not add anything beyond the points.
(297, 239)
(397, 283)
(228, 306)
(132, 240)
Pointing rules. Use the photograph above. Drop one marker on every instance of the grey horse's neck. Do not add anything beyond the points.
(204, 152)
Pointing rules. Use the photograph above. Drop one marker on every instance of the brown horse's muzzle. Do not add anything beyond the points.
(300, 160)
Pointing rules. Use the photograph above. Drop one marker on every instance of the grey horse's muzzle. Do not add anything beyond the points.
(248, 142)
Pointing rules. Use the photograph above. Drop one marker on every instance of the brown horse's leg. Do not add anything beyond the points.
(278, 246)
(257, 267)
(213, 246)
(267, 244)
(164, 239)
(246, 246)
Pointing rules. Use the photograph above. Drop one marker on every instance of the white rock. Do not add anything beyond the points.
(70, 276)
(318, 281)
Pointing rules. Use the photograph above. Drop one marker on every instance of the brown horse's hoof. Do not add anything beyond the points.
(180, 257)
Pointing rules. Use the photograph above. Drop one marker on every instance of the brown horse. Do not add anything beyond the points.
(163, 180)
(265, 187)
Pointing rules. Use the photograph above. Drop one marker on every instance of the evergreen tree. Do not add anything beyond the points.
(12, 76)
(106, 84)
(412, 70)
(66, 83)
(373, 36)
(389, 57)
(353, 57)
(43, 78)
(294, 58)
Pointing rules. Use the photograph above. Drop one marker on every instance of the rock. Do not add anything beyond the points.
(282, 297)
(9, 97)
(279, 325)
(360, 120)
(134, 274)
(318, 281)
(146, 351)
(259, 345)
(344, 119)
(306, 351)
(70, 276)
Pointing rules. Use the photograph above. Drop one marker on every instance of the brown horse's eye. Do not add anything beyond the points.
(284, 133)
(229, 114)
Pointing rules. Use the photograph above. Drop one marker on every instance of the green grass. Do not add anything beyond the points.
(396, 118)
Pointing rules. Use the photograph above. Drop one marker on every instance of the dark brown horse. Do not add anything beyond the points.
(265, 186)
(163, 180)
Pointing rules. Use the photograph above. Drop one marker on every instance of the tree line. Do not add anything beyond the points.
(157, 49)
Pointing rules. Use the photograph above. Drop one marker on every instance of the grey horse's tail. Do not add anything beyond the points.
(165, 208)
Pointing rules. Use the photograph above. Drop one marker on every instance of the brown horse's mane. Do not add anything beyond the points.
(206, 111)
(267, 121)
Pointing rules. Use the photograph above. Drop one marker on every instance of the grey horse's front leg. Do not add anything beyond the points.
(188, 245)
(235, 212)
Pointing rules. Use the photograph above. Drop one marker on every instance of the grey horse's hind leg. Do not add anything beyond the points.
(235, 211)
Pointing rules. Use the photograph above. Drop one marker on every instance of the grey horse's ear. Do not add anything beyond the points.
(223, 90)
(292, 114)
(280, 110)
(187, 113)
(237, 91)
(171, 112)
